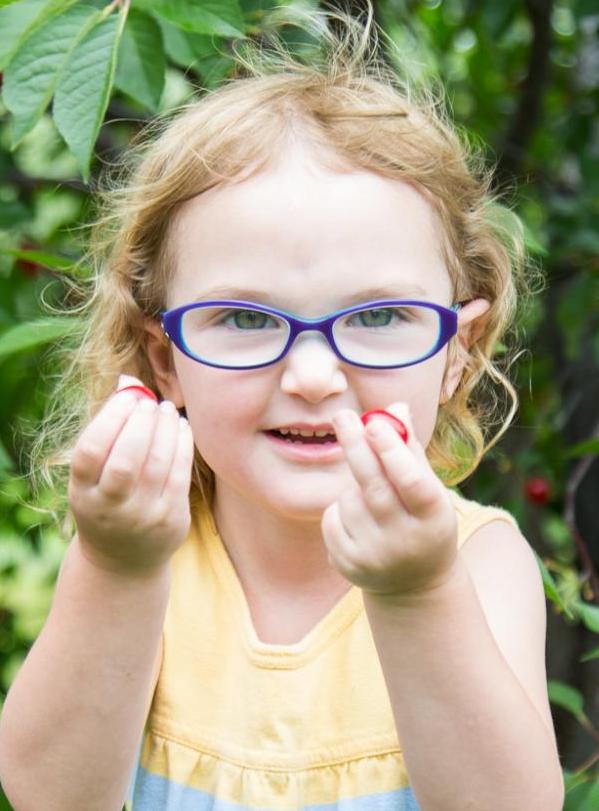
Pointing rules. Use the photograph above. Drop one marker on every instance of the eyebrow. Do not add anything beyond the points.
(264, 297)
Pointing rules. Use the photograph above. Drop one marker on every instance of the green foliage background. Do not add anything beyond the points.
(79, 79)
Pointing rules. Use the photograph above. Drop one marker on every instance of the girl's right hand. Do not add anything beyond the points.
(129, 484)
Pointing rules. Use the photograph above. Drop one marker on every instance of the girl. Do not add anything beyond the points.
(291, 608)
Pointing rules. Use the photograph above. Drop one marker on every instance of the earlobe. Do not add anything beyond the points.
(158, 351)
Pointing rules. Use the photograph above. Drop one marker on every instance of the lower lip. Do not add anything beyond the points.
(329, 452)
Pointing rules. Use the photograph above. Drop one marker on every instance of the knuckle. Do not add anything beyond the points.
(378, 492)
(86, 452)
(410, 481)
(122, 471)
(157, 458)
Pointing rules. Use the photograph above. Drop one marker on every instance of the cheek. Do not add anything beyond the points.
(419, 386)
(219, 403)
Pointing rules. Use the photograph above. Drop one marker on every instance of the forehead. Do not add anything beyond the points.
(298, 229)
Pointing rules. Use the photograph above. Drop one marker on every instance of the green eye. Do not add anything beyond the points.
(249, 319)
(375, 318)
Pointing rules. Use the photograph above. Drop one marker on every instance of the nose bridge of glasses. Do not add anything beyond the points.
(304, 329)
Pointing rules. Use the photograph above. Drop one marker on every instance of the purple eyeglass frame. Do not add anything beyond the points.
(172, 319)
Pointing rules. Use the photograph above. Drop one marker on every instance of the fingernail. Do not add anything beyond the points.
(126, 380)
(145, 404)
(343, 420)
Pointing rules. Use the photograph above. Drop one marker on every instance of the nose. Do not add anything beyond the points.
(311, 369)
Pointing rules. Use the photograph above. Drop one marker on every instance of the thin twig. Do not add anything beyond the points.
(574, 480)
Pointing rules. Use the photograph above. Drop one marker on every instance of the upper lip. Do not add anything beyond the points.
(304, 426)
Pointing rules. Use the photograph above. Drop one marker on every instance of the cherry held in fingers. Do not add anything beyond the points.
(141, 392)
(394, 422)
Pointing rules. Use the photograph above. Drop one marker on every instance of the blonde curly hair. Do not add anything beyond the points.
(347, 101)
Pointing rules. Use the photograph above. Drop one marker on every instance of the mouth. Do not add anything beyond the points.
(317, 438)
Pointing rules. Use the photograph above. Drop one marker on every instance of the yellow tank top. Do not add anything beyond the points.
(238, 721)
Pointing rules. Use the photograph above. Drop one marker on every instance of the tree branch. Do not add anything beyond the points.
(529, 111)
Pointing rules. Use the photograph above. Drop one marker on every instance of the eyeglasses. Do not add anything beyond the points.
(387, 334)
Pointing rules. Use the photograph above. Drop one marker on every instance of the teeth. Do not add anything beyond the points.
(297, 432)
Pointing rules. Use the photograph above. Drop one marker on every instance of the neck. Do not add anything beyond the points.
(275, 555)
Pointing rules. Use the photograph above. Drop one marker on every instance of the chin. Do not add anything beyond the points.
(296, 506)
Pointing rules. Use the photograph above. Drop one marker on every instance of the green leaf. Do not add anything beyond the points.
(19, 20)
(6, 462)
(196, 52)
(567, 697)
(34, 334)
(507, 224)
(4, 804)
(590, 654)
(581, 793)
(550, 587)
(221, 17)
(591, 802)
(586, 448)
(141, 62)
(589, 614)
(497, 17)
(15, 21)
(533, 245)
(31, 77)
(13, 212)
(47, 260)
(84, 87)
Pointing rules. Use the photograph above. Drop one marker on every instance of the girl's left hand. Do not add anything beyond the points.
(394, 532)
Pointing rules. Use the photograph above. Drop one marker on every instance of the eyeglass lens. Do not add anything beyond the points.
(375, 336)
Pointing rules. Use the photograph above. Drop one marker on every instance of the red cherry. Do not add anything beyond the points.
(394, 422)
(538, 490)
(140, 392)
(26, 266)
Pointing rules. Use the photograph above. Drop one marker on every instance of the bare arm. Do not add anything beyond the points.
(74, 715)
(475, 726)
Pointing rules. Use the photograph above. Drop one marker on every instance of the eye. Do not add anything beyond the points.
(380, 316)
(249, 319)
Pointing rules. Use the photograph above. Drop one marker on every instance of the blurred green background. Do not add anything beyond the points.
(523, 78)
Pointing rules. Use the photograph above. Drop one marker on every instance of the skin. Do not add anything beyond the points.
(309, 235)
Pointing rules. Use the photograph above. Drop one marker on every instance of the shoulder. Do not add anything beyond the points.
(504, 570)
(472, 516)
(501, 562)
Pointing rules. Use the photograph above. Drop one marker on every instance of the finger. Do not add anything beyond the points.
(178, 482)
(96, 440)
(419, 489)
(128, 454)
(336, 540)
(379, 495)
(401, 411)
(141, 391)
(358, 518)
(159, 460)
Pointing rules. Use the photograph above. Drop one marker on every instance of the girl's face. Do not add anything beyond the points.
(304, 239)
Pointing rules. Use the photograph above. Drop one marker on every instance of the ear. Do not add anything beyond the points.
(158, 350)
(471, 323)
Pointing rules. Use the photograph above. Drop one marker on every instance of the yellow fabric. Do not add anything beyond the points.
(269, 726)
